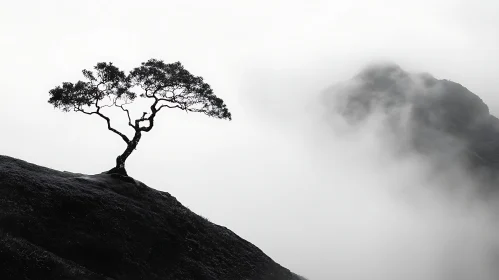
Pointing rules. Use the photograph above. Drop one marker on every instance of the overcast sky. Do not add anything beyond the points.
(317, 202)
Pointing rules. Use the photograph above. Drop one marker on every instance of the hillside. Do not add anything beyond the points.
(62, 225)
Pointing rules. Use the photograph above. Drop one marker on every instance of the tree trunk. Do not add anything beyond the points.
(120, 160)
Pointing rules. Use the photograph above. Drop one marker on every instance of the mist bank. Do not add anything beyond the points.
(378, 176)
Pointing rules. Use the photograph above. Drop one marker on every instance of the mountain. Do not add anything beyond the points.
(438, 118)
(62, 225)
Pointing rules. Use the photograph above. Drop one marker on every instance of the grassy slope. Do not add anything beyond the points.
(61, 225)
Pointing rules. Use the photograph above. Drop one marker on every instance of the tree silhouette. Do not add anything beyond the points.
(166, 85)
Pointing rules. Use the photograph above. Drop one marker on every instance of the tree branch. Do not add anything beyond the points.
(143, 118)
(128, 115)
(123, 136)
(155, 110)
(150, 118)
(169, 106)
(79, 109)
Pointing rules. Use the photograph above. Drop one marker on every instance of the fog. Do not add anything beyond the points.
(356, 208)
(322, 198)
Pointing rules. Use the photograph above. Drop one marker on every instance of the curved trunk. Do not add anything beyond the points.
(120, 160)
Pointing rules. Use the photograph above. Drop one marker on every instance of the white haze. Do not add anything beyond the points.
(326, 202)
(347, 206)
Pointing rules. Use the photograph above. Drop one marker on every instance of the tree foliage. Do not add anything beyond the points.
(167, 85)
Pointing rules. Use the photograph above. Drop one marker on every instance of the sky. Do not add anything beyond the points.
(321, 201)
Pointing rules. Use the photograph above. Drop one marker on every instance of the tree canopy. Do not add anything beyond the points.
(167, 85)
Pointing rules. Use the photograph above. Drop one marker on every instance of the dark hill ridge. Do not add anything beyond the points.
(61, 225)
(436, 117)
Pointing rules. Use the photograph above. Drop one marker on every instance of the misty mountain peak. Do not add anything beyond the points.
(432, 114)
(382, 71)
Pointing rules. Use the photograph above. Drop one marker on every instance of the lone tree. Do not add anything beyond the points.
(166, 85)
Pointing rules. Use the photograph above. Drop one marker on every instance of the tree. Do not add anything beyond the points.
(166, 85)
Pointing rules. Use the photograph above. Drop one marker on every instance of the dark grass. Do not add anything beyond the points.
(62, 225)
